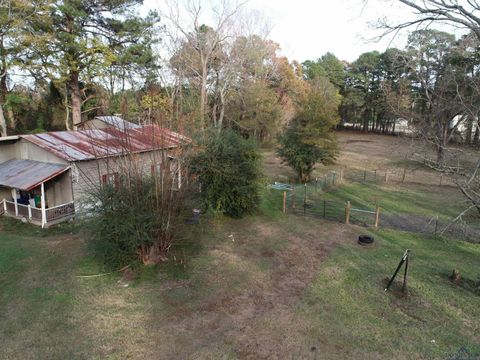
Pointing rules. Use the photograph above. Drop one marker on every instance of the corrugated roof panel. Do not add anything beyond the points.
(118, 122)
(98, 143)
(28, 174)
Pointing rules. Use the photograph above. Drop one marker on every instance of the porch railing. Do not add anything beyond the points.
(33, 213)
(36, 213)
(60, 211)
(9, 207)
(23, 210)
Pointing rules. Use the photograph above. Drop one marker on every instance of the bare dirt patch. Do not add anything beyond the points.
(260, 321)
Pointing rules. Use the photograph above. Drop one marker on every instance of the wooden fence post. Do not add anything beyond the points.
(305, 201)
(386, 176)
(403, 177)
(377, 216)
(284, 202)
(375, 175)
(365, 175)
(334, 176)
(294, 197)
(441, 178)
(347, 213)
(341, 175)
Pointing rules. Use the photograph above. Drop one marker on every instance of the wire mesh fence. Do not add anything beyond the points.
(308, 200)
(397, 175)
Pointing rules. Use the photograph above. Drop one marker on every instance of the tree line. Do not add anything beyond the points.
(62, 62)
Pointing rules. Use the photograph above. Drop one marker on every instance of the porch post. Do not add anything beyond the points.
(44, 215)
(14, 195)
(5, 205)
(29, 212)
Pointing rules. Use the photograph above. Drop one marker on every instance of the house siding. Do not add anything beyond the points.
(29, 151)
(8, 152)
(87, 175)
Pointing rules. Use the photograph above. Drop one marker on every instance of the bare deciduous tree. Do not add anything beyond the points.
(199, 45)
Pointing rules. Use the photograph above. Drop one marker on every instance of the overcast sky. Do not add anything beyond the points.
(306, 29)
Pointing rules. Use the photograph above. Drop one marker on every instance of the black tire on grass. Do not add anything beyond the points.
(365, 240)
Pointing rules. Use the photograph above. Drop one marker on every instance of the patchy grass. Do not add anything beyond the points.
(400, 199)
(266, 286)
(347, 308)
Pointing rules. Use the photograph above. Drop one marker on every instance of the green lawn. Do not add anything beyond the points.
(229, 297)
(266, 286)
(346, 305)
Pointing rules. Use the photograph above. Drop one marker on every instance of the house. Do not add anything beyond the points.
(46, 178)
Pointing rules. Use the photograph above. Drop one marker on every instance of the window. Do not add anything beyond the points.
(111, 179)
(156, 169)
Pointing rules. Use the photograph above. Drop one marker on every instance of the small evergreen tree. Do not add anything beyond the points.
(229, 171)
(309, 138)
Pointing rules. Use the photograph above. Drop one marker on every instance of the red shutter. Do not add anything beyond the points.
(104, 179)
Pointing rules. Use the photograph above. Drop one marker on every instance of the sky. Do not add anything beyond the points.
(307, 29)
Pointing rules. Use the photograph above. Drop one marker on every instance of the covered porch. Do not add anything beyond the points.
(36, 192)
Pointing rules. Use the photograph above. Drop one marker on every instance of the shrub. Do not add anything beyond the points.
(229, 172)
(137, 219)
(300, 155)
(309, 138)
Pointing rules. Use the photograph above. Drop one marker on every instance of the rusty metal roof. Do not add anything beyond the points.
(118, 122)
(111, 141)
(28, 174)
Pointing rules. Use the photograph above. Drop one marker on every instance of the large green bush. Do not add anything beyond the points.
(230, 173)
(137, 219)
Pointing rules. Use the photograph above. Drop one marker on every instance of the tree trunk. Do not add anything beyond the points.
(222, 111)
(469, 132)
(476, 136)
(214, 114)
(76, 99)
(3, 123)
(203, 95)
(440, 155)
(11, 118)
(3, 96)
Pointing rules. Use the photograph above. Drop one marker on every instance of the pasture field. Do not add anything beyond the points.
(269, 286)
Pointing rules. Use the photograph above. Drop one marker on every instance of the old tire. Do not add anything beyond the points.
(365, 240)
